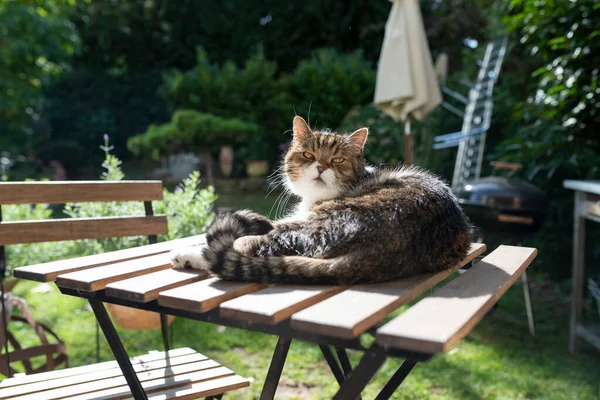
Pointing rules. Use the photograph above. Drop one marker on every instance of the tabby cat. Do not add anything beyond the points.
(355, 224)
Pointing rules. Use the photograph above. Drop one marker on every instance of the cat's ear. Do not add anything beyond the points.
(301, 129)
(359, 137)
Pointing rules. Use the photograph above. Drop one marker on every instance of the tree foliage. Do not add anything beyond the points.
(561, 116)
(36, 41)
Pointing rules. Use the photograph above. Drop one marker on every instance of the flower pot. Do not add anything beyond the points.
(257, 168)
(132, 318)
(226, 161)
(181, 165)
(9, 284)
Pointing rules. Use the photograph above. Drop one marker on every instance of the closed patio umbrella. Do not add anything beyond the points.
(406, 86)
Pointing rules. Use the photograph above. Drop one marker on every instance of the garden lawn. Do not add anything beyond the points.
(498, 360)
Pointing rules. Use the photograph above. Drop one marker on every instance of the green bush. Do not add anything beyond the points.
(252, 93)
(192, 131)
(188, 208)
(329, 84)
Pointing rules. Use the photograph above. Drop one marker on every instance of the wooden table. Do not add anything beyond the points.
(587, 207)
(333, 317)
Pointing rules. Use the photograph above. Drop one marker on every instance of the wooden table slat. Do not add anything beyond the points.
(47, 272)
(276, 303)
(350, 313)
(205, 295)
(91, 280)
(146, 288)
(439, 321)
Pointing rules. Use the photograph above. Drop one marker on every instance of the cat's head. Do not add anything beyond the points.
(323, 165)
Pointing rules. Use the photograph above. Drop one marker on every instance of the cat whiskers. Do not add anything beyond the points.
(280, 203)
(275, 180)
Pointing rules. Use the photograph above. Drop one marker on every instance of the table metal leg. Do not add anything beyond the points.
(396, 380)
(528, 306)
(578, 270)
(344, 360)
(277, 363)
(371, 361)
(118, 350)
(333, 364)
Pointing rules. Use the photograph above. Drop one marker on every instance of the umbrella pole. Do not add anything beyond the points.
(408, 159)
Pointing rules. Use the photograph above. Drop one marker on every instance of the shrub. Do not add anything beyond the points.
(251, 93)
(191, 130)
(329, 84)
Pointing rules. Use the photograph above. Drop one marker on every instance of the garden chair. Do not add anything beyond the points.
(98, 376)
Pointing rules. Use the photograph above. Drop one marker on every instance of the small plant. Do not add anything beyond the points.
(188, 208)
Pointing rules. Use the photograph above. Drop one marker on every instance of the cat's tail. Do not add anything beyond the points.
(232, 265)
(225, 262)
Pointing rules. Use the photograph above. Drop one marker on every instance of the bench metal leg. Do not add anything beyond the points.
(277, 363)
(396, 380)
(118, 350)
(164, 327)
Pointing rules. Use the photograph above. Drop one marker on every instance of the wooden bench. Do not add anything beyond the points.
(166, 378)
(180, 373)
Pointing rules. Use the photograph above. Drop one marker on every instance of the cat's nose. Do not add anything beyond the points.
(320, 168)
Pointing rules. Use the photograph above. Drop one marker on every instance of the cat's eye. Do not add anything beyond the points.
(308, 156)
(338, 160)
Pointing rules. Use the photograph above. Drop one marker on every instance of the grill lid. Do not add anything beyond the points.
(503, 194)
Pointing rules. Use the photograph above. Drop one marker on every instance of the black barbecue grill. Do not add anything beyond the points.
(503, 205)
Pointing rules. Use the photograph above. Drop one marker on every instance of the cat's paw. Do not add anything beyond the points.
(248, 244)
(189, 257)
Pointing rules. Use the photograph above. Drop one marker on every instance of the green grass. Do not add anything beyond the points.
(497, 360)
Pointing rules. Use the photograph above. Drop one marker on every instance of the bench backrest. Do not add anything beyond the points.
(52, 230)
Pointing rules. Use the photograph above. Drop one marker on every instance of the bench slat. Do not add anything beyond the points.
(201, 361)
(79, 191)
(276, 303)
(47, 272)
(91, 280)
(439, 321)
(107, 365)
(205, 295)
(198, 390)
(54, 230)
(350, 313)
(146, 288)
(116, 388)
